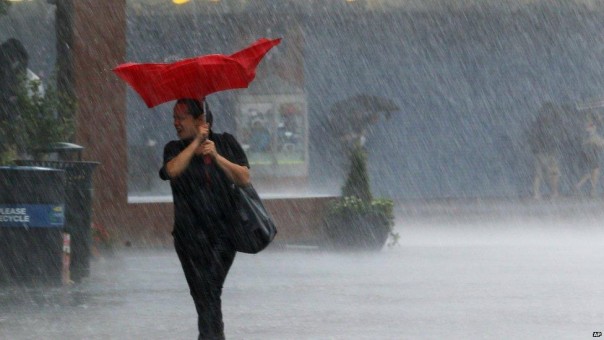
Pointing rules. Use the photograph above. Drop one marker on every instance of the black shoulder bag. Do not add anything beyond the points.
(252, 228)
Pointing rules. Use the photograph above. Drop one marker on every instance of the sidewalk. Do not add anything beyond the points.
(501, 207)
(449, 278)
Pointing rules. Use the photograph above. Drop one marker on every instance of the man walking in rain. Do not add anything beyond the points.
(544, 141)
(592, 145)
(200, 166)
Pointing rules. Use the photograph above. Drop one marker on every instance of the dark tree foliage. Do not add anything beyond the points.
(4, 5)
(357, 182)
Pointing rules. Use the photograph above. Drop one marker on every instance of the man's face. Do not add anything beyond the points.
(184, 123)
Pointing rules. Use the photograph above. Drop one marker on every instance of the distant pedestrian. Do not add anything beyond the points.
(200, 166)
(544, 141)
(590, 155)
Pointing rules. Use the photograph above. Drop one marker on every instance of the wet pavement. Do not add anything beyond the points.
(481, 276)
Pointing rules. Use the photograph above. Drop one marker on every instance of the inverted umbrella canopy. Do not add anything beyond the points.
(365, 103)
(196, 78)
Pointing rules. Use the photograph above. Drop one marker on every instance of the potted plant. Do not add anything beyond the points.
(4, 5)
(43, 117)
(356, 220)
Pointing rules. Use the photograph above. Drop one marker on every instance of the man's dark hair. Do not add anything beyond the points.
(197, 108)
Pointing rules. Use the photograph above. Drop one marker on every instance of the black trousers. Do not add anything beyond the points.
(206, 262)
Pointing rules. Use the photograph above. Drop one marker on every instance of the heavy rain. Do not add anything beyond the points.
(432, 168)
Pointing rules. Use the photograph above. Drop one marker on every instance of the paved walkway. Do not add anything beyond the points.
(486, 276)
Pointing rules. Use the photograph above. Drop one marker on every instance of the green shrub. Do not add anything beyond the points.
(351, 205)
(4, 5)
(42, 119)
(357, 182)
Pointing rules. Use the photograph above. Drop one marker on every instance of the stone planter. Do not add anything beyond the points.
(357, 232)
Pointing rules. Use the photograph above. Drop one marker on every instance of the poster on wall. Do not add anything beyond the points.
(255, 123)
(273, 133)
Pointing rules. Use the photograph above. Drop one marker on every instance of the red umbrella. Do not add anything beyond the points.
(196, 77)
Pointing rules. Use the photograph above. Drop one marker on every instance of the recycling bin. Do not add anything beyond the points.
(32, 217)
(78, 202)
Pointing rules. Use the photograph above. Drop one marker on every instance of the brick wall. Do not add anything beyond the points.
(298, 220)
